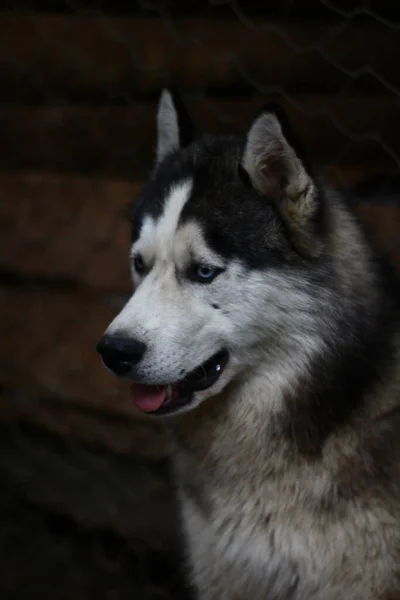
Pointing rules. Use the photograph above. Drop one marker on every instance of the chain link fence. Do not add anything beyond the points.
(87, 507)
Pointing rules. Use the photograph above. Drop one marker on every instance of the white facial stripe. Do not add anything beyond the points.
(156, 237)
(166, 226)
(190, 238)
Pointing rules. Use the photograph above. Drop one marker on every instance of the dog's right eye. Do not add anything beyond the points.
(139, 265)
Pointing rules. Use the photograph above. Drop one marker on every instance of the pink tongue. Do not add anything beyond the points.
(148, 398)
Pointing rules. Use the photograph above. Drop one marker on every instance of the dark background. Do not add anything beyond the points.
(86, 506)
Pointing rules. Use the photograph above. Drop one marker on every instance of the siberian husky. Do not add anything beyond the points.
(264, 331)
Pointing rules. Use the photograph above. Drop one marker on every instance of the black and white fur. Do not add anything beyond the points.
(288, 467)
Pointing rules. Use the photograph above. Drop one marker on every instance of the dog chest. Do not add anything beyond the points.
(243, 540)
(255, 553)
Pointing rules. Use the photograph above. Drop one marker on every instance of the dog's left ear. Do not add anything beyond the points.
(175, 129)
(276, 171)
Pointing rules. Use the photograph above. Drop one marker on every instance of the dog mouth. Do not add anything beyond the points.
(165, 399)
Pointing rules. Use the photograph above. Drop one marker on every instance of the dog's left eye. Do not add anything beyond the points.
(204, 273)
(139, 265)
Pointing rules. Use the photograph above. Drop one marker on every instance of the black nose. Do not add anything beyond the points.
(120, 354)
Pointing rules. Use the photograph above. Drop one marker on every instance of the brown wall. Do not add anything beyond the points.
(78, 92)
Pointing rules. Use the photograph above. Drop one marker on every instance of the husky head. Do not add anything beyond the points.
(223, 234)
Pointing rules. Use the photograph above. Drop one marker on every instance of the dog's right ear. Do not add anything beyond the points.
(175, 129)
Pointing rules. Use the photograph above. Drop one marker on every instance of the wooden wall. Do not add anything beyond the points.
(78, 91)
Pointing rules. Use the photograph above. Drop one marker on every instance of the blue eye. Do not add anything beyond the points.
(204, 273)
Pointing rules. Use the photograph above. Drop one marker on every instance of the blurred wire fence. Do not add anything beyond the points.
(86, 501)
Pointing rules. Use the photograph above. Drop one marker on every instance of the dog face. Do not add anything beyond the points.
(223, 235)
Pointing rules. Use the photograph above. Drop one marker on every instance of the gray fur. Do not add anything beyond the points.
(167, 127)
(288, 468)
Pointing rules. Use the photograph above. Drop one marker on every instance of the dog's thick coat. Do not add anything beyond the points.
(288, 468)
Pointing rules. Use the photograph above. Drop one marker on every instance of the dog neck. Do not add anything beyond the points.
(294, 409)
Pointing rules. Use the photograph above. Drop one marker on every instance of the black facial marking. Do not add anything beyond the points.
(216, 306)
(237, 222)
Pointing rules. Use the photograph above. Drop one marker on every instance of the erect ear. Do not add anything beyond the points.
(175, 128)
(276, 171)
